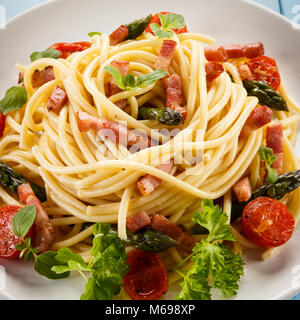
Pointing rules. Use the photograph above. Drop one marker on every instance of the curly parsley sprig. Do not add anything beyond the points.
(214, 265)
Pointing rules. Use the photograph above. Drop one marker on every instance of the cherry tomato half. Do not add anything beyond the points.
(264, 69)
(2, 124)
(67, 49)
(267, 222)
(156, 19)
(147, 278)
(8, 240)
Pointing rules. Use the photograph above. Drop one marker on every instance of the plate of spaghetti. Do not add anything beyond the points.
(142, 159)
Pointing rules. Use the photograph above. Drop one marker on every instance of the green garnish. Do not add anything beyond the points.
(265, 94)
(268, 156)
(165, 116)
(215, 266)
(10, 179)
(14, 99)
(129, 82)
(137, 27)
(48, 53)
(168, 21)
(285, 184)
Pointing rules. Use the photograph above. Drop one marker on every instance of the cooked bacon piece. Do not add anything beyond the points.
(148, 183)
(213, 70)
(243, 189)
(138, 222)
(57, 100)
(244, 71)
(233, 51)
(173, 88)
(45, 233)
(258, 118)
(186, 243)
(217, 54)
(39, 78)
(251, 50)
(113, 130)
(166, 55)
(164, 225)
(274, 140)
(118, 35)
(112, 88)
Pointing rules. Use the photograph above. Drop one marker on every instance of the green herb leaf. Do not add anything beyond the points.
(168, 22)
(21, 246)
(117, 76)
(215, 265)
(93, 291)
(64, 255)
(14, 99)
(72, 266)
(91, 34)
(268, 156)
(137, 27)
(109, 266)
(48, 53)
(272, 176)
(44, 263)
(130, 83)
(158, 31)
(215, 221)
(150, 78)
(23, 221)
(172, 21)
(213, 261)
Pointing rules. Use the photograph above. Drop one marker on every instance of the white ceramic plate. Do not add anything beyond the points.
(228, 21)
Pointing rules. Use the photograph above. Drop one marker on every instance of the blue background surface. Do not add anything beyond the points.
(285, 7)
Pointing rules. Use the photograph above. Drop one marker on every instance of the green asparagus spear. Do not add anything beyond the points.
(265, 94)
(137, 27)
(151, 240)
(148, 240)
(285, 184)
(11, 179)
(165, 116)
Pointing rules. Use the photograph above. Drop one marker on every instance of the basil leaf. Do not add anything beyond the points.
(149, 78)
(14, 99)
(172, 21)
(272, 176)
(117, 76)
(48, 53)
(129, 81)
(21, 246)
(23, 221)
(65, 255)
(91, 34)
(158, 31)
(45, 261)
(267, 154)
